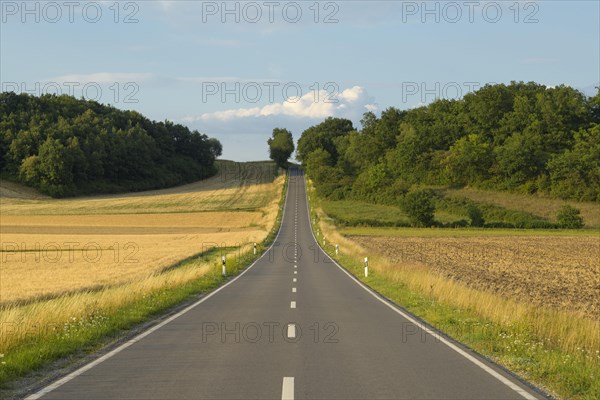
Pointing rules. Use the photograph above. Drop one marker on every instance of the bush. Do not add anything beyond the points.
(418, 206)
(569, 217)
(475, 215)
(497, 224)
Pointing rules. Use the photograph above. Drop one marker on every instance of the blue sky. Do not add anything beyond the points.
(236, 70)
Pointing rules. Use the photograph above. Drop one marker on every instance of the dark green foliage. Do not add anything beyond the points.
(322, 137)
(281, 146)
(64, 146)
(475, 215)
(522, 137)
(575, 173)
(569, 217)
(419, 207)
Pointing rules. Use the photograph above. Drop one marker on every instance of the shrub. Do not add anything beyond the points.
(569, 217)
(418, 206)
(475, 215)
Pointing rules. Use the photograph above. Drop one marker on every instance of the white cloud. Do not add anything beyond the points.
(350, 103)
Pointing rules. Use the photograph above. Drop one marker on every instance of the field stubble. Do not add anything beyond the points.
(558, 272)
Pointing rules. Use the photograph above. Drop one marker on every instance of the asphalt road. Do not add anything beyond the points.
(294, 325)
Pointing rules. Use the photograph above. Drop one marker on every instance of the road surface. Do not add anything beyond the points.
(294, 325)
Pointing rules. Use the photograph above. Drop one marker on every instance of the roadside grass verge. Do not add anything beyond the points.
(556, 350)
(460, 232)
(36, 334)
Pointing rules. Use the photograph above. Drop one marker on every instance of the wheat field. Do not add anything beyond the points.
(59, 257)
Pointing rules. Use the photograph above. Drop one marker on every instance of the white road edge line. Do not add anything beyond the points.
(55, 385)
(429, 331)
(287, 389)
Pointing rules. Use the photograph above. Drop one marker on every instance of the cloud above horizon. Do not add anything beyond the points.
(349, 103)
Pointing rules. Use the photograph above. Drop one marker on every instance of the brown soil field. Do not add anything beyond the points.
(557, 272)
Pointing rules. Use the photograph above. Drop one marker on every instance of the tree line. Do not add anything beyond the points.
(64, 146)
(523, 137)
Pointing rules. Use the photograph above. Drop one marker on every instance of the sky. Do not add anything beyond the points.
(235, 70)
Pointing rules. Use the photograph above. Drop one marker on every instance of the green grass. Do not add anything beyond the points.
(450, 211)
(90, 333)
(355, 213)
(543, 207)
(461, 232)
(455, 208)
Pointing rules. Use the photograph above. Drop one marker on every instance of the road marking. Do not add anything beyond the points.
(293, 304)
(293, 290)
(291, 332)
(295, 266)
(295, 272)
(295, 279)
(437, 335)
(287, 389)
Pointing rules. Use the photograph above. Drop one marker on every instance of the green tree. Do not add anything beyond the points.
(569, 217)
(216, 148)
(67, 146)
(475, 215)
(418, 205)
(520, 158)
(469, 159)
(576, 172)
(29, 172)
(322, 136)
(281, 146)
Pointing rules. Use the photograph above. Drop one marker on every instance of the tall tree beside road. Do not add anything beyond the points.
(281, 146)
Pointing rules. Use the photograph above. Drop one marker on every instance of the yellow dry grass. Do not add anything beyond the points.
(62, 258)
(237, 186)
(207, 220)
(45, 318)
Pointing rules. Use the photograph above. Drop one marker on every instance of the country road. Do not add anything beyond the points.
(293, 325)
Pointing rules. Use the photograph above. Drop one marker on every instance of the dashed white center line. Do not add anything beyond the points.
(295, 279)
(291, 331)
(293, 304)
(293, 290)
(295, 272)
(287, 390)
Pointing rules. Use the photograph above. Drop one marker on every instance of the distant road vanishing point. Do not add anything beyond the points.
(294, 325)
